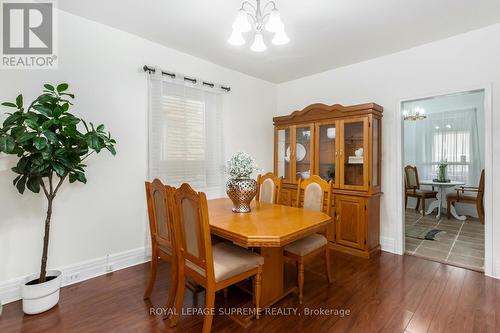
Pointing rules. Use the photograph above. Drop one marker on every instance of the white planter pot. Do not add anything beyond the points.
(41, 297)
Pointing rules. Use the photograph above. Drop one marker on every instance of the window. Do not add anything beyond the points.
(452, 146)
(455, 148)
(185, 144)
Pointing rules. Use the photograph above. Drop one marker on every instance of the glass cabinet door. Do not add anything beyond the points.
(303, 156)
(327, 152)
(353, 153)
(283, 154)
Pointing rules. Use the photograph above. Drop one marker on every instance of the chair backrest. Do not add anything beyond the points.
(268, 188)
(161, 215)
(314, 193)
(193, 232)
(480, 192)
(411, 178)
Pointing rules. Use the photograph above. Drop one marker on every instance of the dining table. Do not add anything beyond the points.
(269, 227)
(441, 194)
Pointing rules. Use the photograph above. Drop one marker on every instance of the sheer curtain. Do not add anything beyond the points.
(451, 136)
(185, 134)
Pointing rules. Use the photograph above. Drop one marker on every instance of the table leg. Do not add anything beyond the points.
(272, 275)
(453, 212)
(435, 204)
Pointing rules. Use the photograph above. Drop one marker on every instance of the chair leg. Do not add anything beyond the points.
(179, 299)
(406, 201)
(209, 306)
(480, 212)
(423, 206)
(448, 208)
(152, 273)
(257, 290)
(300, 279)
(171, 291)
(327, 264)
(418, 204)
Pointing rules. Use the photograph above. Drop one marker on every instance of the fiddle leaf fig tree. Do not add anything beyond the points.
(51, 145)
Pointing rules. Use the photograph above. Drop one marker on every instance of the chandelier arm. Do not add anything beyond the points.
(254, 19)
(269, 3)
(247, 3)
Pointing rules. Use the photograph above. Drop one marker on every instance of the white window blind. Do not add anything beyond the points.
(185, 141)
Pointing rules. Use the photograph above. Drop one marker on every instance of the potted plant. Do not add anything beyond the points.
(240, 188)
(51, 145)
(442, 175)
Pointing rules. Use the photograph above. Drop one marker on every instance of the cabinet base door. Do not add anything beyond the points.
(349, 229)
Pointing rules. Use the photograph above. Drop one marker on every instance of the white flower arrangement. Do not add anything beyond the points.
(241, 166)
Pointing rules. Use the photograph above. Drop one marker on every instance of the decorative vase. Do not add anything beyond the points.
(241, 192)
(40, 297)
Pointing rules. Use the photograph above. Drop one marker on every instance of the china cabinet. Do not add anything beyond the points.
(342, 144)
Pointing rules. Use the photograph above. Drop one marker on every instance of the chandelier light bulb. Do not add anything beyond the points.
(241, 23)
(236, 38)
(274, 23)
(258, 43)
(280, 37)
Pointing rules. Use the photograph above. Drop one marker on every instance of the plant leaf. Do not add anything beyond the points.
(33, 184)
(11, 119)
(62, 87)
(58, 168)
(19, 101)
(26, 137)
(9, 104)
(40, 143)
(51, 136)
(43, 110)
(7, 144)
(21, 184)
(16, 179)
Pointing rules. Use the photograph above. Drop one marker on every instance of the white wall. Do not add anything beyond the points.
(108, 215)
(454, 64)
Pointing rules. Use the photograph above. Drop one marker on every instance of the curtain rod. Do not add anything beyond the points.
(150, 70)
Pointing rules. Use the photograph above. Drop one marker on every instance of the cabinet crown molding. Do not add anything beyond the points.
(319, 111)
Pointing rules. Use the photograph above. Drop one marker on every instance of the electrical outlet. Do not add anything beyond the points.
(70, 278)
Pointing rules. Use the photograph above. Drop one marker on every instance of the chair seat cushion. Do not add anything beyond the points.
(462, 197)
(231, 260)
(422, 193)
(306, 245)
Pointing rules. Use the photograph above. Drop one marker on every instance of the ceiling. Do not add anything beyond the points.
(324, 34)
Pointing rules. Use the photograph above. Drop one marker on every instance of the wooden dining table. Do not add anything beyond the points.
(269, 227)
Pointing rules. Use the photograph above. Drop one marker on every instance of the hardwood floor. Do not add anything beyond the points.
(389, 293)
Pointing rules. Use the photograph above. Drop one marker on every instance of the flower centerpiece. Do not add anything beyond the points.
(442, 176)
(240, 188)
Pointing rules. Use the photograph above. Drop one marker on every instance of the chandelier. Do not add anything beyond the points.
(415, 114)
(267, 17)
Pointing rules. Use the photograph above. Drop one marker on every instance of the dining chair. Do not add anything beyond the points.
(160, 200)
(213, 267)
(413, 190)
(469, 195)
(268, 188)
(313, 193)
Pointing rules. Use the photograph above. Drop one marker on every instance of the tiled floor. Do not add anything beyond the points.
(462, 243)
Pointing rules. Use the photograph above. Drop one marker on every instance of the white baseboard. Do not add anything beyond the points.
(496, 271)
(387, 244)
(10, 290)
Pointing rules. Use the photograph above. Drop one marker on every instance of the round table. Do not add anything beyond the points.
(440, 195)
